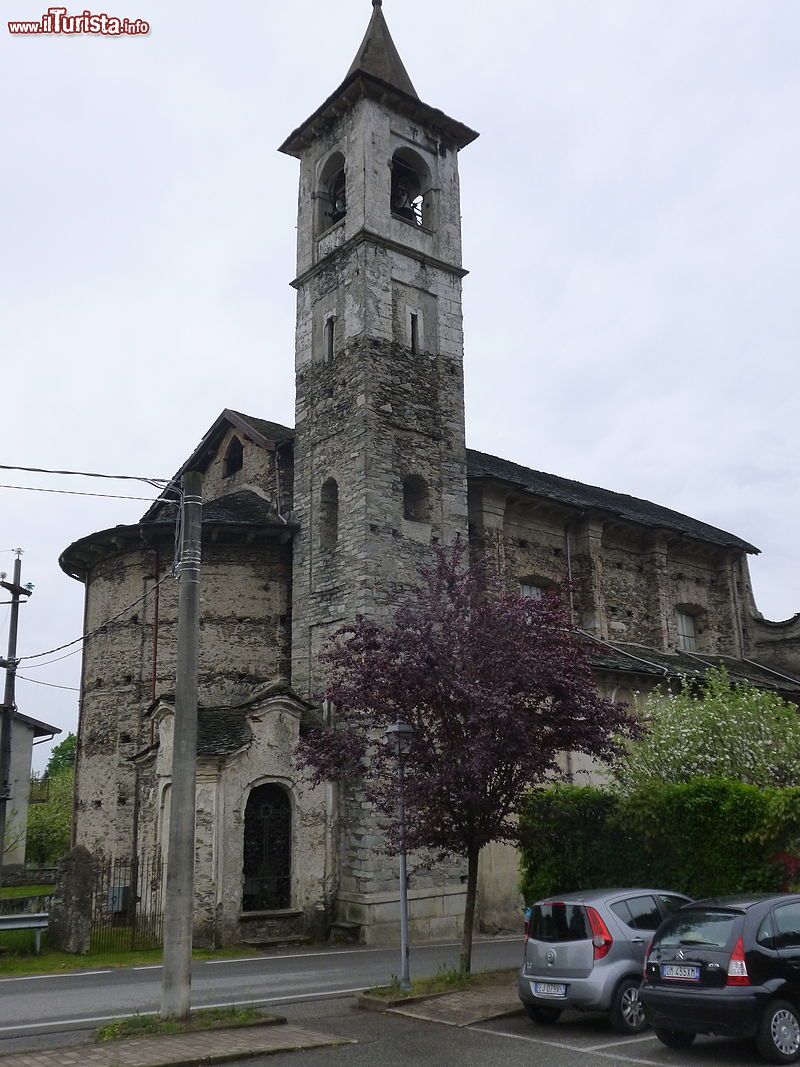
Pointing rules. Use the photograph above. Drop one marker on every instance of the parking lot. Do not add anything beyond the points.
(576, 1041)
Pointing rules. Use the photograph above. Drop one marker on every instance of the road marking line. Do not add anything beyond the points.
(348, 952)
(241, 1002)
(623, 1041)
(149, 967)
(70, 974)
(616, 1056)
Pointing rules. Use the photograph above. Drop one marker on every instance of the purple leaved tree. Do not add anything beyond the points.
(495, 685)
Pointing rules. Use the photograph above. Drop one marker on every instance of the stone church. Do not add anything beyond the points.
(306, 526)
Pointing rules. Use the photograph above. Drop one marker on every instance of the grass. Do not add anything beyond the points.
(444, 981)
(208, 1019)
(12, 892)
(17, 957)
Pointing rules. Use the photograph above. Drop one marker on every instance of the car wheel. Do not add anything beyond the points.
(627, 1011)
(675, 1038)
(543, 1016)
(778, 1037)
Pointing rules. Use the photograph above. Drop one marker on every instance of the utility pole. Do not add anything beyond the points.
(10, 663)
(176, 981)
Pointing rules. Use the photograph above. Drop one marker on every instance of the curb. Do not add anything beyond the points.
(369, 1002)
(234, 1057)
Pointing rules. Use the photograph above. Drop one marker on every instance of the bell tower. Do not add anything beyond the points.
(380, 465)
(380, 459)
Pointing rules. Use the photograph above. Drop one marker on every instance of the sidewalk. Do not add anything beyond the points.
(464, 1008)
(184, 1050)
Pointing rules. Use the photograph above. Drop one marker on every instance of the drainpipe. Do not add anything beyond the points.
(156, 605)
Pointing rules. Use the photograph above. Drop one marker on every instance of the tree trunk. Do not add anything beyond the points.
(469, 909)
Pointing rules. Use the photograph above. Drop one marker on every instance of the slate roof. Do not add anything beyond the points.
(222, 731)
(245, 506)
(377, 55)
(592, 497)
(272, 431)
(629, 658)
(242, 508)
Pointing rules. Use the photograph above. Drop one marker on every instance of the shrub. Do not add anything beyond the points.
(707, 837)
(726, 730)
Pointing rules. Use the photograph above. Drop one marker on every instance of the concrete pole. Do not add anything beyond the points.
(399, 735)
(9, 697)
(405, 975)
(176, 978)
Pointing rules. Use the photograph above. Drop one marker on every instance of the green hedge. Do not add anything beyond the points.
(706, 837)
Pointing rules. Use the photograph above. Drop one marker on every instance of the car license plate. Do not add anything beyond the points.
(675, 970)
(548, 989)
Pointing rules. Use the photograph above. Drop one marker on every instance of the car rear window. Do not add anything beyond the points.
(710, 928)
(559, 922)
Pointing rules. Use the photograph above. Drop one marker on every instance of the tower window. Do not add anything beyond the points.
(415, 499)
(410, 196)
(531, 589)
(329, 514)
(331, 193)
(329, 338)
(414, 332)
(687, 632)
(234, 458)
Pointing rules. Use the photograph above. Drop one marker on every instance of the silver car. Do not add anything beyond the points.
(586, 951)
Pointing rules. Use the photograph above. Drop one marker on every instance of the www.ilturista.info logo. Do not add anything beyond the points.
(56, 20)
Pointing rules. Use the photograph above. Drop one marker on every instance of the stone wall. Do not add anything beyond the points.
(628, 581)
(244, 643)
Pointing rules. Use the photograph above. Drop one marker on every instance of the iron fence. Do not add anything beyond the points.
(127, 906)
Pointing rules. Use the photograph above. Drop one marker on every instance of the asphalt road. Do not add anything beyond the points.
(576, 1041)
(50, 1005)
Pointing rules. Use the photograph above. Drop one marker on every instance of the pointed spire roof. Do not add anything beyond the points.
(377, 55)
(378, 73)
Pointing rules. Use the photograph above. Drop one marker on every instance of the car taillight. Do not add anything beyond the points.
(737, 968)
(646, 958)
(601, 935)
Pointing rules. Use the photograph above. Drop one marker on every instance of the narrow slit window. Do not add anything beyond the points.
(330, 339)
(329, 515)
(414, 332)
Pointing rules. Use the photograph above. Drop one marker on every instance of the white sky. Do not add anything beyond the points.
(630, 220)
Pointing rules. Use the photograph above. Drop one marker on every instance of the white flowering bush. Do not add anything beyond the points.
(726, 730)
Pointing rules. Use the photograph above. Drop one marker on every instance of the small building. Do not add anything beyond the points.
(25, 733)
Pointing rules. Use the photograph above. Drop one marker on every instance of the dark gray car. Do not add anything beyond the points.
(586, 951)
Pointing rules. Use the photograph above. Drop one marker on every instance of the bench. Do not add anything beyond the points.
(37, 923)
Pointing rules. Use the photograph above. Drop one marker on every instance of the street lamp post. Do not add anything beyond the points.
(400, 734)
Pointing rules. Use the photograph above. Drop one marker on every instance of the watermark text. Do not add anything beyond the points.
(57, 20)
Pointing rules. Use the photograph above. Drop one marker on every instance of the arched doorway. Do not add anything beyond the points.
(267, 850)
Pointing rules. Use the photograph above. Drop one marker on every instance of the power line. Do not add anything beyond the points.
(97, 629)
(51, 685)
(75, 492)
(159, 482)
(36, 666)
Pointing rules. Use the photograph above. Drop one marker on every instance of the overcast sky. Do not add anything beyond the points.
(630, 219)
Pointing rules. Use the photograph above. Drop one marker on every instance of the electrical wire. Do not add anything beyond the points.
(58, 659)
(159, 482)
(75, 492)
(51, 685)
(98, 629)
